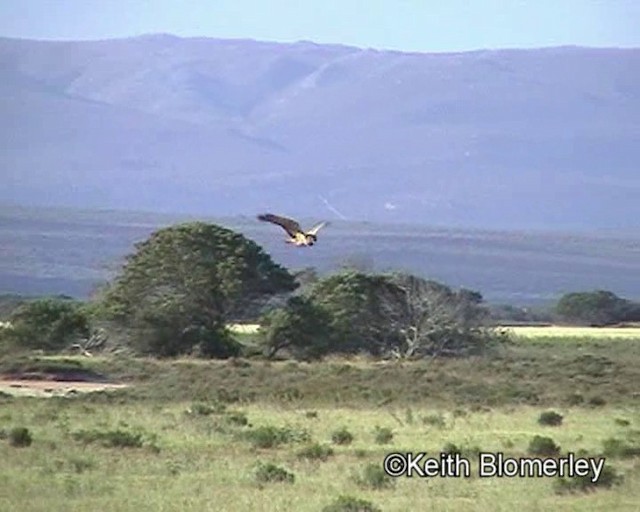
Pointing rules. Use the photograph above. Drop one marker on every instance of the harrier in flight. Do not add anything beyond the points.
(297, 236)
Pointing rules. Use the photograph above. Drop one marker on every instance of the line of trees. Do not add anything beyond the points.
(179, 289)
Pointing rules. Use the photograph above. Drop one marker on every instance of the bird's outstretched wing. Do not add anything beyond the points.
(316, 228)
(289, 225)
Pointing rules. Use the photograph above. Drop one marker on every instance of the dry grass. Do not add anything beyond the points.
(568, 332)
(188, 462)
(190, 419)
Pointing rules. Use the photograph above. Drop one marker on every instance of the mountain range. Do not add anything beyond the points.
(539, 138)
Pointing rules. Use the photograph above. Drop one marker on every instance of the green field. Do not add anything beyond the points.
(570, 332)
(198, 430)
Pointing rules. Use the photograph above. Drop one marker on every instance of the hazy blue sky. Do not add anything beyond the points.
(412, 25)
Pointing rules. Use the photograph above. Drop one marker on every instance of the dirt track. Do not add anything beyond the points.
(25, 387)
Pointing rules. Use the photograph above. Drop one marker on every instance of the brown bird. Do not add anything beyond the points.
(297, 236)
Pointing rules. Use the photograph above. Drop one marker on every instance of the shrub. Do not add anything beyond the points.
(351, 504)
(341, 436)
(205, 409)
(48, 324)
(237, 418)
(614, 447)
(269, 472)
(110, 438)
(451, 448)
(434, 420)
(374, 477)
(383, 435)
(301, 327)
(269, 436)
(622, 422)
(20, 437)
(80, 465)
(550, 418)
(311, 414)
(597, 401)
(574, 399)
(315, 451)
(543, 446)
(608, 478)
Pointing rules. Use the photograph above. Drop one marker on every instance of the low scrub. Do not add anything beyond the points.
(81, 464)
(206, 409)
(619, 448)
(351, 504)
(269, 472)
(268, 436)
(237, 418)
(341, 436)
(434, 420)
(20, 437)
(316, 451)
(383, 435)
(467, 451)
(608, 478)
(374, 477)
(112, 438)
(543, 446)
(550, 418)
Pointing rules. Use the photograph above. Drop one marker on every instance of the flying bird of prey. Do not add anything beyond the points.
(297, 236)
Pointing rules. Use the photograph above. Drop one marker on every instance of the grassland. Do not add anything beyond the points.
(189, 435)
(569, 333)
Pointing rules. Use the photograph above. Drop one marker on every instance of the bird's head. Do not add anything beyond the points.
(311, 239)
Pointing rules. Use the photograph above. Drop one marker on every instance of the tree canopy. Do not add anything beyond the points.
(397, 315)
(599, 307)
(179, 288)
(47, 324)
(300, 326)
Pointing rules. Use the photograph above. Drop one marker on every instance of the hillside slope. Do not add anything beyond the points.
(512, 138)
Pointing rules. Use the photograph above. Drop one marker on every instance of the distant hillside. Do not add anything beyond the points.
(511, 138)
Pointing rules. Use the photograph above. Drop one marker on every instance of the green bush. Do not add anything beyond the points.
(269, 472)
(237, 418)
(434, 420)
(374, 477)
(341, 436)
(574, 399)
(351, 504)
(269, 436)
(550, 418)
(597, 401)
(451, 448)
(205, 409)
(619, 448)
(20, 437)
(608, 478)
(47, 324)
(622, 422)
(80, 464)
(316, 451)
(300, 327)
(110, 438)
(383, 435)
(543, 446)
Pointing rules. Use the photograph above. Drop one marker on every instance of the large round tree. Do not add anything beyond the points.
(182, 284)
